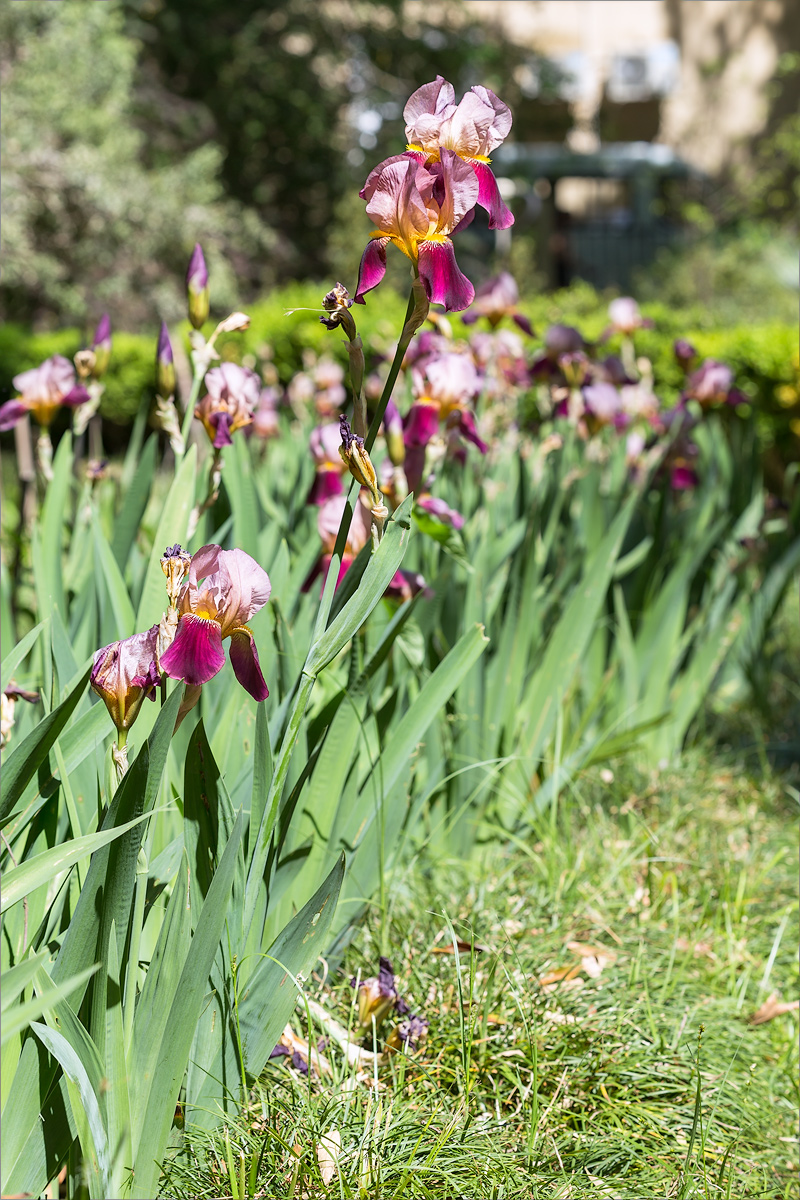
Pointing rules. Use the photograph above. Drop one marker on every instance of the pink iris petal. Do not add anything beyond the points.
(242, 588)
(372, 180)
(396, 205)
(524, 324)
(501, 124)
(196, 653)
(500, 216)
(438, 508)
(422, 423)
(469, 430)
(244, 660)
(221, 421)
(11, 412)
(443, 281)
(468, 129)
(413, 466)
(460, 190)
(683, 479)
(75, 396)
(432, 99)
(326, 483)
(372, 268)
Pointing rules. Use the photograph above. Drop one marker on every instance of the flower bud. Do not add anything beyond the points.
(101, 344)
(165, 367)
(357, 460)
(124, 674)
(197, 288)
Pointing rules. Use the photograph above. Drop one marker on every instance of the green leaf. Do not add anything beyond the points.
(134, 502)
(20, 881)
(171, 528)
(18, 653)
(23, 761)
(381, 569)
(176, 1042)
(270, 996)
(18, 1017)
(157, 996)
(121, 606)
(55, 512)
(95, 1148)
(118, 1109)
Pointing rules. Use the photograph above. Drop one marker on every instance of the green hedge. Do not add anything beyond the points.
(764, 357)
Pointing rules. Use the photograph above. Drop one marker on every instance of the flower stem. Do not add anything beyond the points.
(188, 416)
(406, 335)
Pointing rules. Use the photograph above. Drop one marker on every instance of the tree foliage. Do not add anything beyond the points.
(89, 223)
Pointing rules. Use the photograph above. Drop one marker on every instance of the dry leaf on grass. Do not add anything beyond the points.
(463, 947)
(772, 1007)
(593, 958)
(560, 977)
(329, 1148)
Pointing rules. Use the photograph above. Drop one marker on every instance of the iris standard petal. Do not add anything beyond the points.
(430, 99)
(372, 268)
(242, 588)
(443, 281)
(500, 216)
(196, 654)
(246, 667)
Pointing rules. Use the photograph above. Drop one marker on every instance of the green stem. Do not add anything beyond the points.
(129, 1004)
(199, 376)
(394, 371)
(72, 811)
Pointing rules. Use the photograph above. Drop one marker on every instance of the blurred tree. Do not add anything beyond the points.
(304, 97)
(89, 223)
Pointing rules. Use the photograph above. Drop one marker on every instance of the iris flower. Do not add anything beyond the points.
(43, 391)
(495, 299)
(417, 207)
(229, 404)
(471, 129)
(223, 590)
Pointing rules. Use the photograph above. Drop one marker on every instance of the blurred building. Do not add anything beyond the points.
(652, 102)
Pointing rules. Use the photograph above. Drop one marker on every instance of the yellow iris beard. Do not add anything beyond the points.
(433, 156)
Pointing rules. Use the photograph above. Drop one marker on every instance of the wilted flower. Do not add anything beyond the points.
(409, 1035)
(44, 389)
(165, 366)
(232, 395)
(336, 303)
(474, 127)
(101, 346)
(224, 589)
(495, 299)
(377, 996)
(558, 341)
(355, 457)
(417, 207)
(124, 674)
(197, 292)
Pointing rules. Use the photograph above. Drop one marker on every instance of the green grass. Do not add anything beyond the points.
(645, 1081)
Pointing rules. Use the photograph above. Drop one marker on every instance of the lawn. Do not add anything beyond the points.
(607, 1029)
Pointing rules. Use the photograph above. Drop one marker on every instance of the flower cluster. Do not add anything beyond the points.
(376, 998)
(212, 594)
(420, 199)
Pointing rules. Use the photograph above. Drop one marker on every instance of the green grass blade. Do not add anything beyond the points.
(18, 653)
